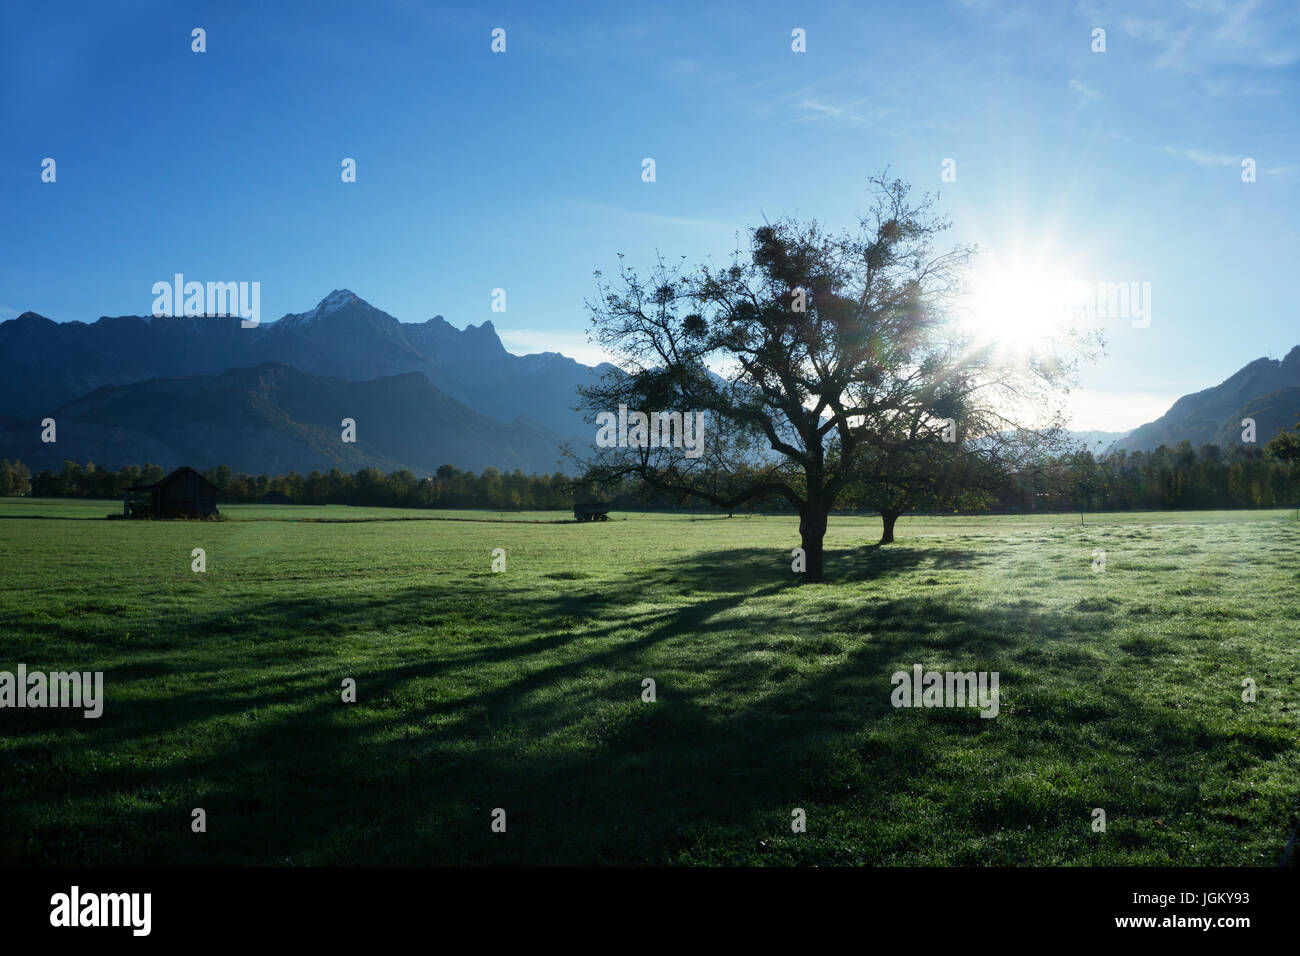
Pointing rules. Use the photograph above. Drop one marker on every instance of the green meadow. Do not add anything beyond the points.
(1120, 688)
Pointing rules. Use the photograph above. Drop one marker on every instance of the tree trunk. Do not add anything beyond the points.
(812, 529)
(888, 518)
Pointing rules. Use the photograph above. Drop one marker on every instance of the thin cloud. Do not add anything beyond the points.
(654, 218)
(1007, 13)
(1228, 86)
(852, 114)
(1203, 157)
(1191, 37)
(1174, 53)
(1084, 90)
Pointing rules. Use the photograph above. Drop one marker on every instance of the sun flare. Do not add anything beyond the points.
(1019, 304)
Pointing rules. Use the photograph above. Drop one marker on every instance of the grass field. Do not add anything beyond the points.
(1120, 690)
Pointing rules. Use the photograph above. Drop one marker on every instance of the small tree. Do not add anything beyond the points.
(956, 455)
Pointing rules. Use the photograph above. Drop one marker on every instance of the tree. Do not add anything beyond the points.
(956, 455)
(7, 482)
(804, 357)
(1285, 446)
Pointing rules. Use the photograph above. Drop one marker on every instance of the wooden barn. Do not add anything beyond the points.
(182, 494)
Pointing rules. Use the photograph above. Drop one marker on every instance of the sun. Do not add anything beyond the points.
(1019, 303)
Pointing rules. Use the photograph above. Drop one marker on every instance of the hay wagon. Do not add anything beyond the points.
(591, 512)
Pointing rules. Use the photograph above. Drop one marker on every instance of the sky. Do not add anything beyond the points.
(522, 170)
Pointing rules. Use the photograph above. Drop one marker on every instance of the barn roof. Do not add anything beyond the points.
(179, 472)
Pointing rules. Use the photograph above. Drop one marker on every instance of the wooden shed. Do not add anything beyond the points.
(182, 494)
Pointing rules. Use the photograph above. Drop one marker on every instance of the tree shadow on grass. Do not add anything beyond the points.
(875, 561)
(769, 697)
(739, 569)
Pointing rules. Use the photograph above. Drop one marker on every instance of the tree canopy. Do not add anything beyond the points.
(812, 356)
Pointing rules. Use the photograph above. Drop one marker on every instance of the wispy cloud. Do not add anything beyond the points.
(1191, 36)
(1006, 13)
(652, 218)
(823, 108)
(856, 113)
(896, 103)
(1203, 157)
(1228, 86)
(1173, 52)
(1082, 88)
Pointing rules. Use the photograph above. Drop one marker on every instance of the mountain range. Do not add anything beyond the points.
(203, 391)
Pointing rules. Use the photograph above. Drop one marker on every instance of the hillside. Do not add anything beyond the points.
(45, 364)
(274, 419)
(1267, 390)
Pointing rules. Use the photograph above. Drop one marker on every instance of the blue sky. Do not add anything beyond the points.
(522, 170)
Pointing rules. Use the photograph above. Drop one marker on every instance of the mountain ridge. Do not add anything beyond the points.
(44, 364)
(1214, 414)
(347, 346)
(276, 418)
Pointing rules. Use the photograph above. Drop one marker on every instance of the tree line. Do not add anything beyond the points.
(449, 487)
(1181, 477)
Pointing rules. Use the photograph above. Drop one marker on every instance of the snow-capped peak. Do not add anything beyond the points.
(334, 301)
(338, 299)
